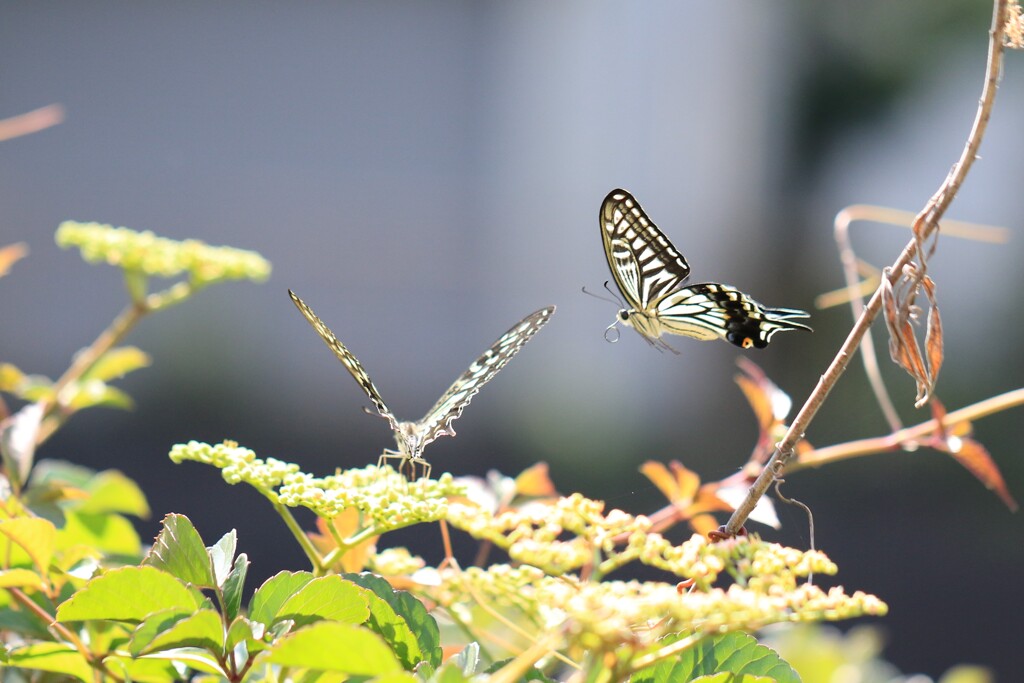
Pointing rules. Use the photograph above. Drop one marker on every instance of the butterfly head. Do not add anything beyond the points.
(409, 439)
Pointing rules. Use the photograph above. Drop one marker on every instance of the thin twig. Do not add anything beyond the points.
(31, 121)
(925, 225)
(916, 433)
(85, 360)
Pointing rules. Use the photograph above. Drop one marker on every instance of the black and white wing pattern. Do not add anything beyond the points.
(643, 262)
(351, 363)
(438, 420)
(412, 437)
(650, 273)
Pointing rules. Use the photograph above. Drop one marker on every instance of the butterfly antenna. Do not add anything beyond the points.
(603, 298)
(620, 302)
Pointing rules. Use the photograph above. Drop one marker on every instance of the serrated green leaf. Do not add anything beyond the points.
(733, 678)
(152, 626)
(143, 670)
(317, 647)
(326, 597)
(222, 553)
(151, 590)
(202, 630)
(420, 622)
(118, 362)
(37, 537)
(233, 585)
(112, 491)
(396, 677)
(179, 550)
(239, 631)
(734, 653)
(275, 591)
(53, 657)
(396, 632)
(20, 578)
(200, 660)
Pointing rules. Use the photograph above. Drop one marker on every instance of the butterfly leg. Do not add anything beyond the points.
(407, 466)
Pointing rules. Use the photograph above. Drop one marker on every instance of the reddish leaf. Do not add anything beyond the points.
(10, 254)
(678, 486)
(978, 462)
(535, 482)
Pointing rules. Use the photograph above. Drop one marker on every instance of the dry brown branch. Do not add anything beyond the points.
(925, 225)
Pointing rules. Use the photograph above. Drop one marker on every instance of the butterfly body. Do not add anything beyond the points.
(650, 272)
(412, 437)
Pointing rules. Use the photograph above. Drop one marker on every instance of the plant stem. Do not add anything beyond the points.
(300, 536)
(894, 441)
(85, 360)
(926, 223)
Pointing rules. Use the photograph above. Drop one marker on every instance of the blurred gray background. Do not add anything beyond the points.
(425, 174)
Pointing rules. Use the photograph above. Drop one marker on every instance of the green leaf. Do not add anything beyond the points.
(118, 362)
(734, 653)
(385, 622)
(93, 392)
(396, 677)
(532, 674)
(112, 491)
(179, 550)
(145, 670)
(152, 626)
(10, 377)
(202, 629)
(53, 657)
(319, 647)
(410, 609)
(151, 590)
(233, 585)
(734, 678)
(450, 673)
(275, 591)
(241, 629)
(326, 597)
(221, 555)
(20, 578)
(112, 534)
(37, 537)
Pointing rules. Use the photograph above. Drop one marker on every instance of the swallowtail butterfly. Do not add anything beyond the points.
(650, 272)
(412, 437)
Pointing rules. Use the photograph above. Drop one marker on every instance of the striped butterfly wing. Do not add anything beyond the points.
(350, 362)
(438, 420)
(709, 311)
(643, 262)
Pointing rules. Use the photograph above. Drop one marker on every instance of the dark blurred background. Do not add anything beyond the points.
(425, 174)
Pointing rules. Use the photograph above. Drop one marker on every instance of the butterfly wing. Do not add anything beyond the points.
(350, 362)
(438, 420)
(643, 262)
(709, 311)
